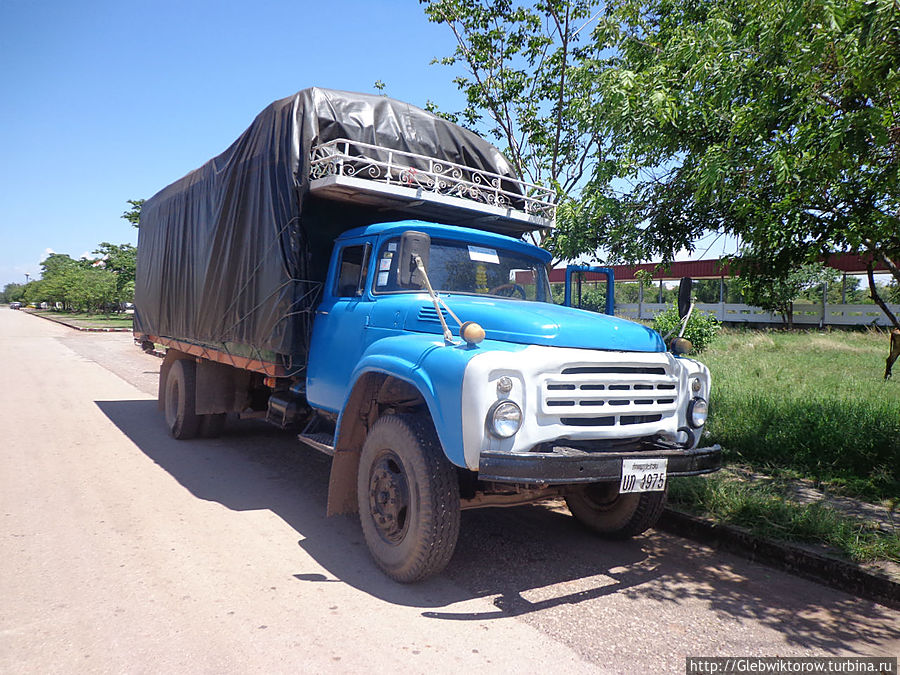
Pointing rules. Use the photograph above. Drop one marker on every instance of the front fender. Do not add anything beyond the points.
(434, 369)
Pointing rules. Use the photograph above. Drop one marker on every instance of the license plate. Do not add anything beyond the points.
(643, 475)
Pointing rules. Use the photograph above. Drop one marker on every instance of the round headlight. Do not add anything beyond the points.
(698, 409)
(504, 419)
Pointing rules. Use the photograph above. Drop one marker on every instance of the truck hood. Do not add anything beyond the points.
(537, 323)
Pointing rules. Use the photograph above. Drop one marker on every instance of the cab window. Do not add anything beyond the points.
(352, 270)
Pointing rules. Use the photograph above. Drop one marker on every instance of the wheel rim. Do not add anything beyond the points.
(389, 497)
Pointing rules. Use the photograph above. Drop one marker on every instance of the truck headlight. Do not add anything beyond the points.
(504, 419)
(698, 409)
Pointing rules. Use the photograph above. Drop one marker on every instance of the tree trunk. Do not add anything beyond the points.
(873, 293)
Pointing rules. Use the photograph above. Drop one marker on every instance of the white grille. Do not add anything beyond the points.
(610, 395)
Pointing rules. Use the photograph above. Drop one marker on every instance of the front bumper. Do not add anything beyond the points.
(570, 465)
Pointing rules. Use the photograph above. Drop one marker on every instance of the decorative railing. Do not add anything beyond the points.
(342, 157)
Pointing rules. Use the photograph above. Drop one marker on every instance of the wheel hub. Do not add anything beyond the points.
(389, 497)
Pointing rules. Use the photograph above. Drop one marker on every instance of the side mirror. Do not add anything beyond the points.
(684, 296)
(412, 244)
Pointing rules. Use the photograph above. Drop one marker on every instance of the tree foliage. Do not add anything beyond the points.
(133, 215)
(775, 292)
(775, 121)
(121, 259)
(529, 81)
(13, 292)
(102, 283)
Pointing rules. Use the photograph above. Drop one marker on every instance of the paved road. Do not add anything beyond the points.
(122, 550)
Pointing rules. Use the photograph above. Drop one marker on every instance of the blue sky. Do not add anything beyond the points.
(101, 102)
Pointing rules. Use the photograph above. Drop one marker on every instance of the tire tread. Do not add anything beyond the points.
(438, 513)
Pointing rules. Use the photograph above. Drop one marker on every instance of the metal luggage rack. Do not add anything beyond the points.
(430, 188)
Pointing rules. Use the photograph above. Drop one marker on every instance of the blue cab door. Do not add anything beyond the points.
(340, 330)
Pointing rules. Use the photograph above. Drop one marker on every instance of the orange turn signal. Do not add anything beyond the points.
(471, 332)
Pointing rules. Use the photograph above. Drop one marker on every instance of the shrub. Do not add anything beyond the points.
(701, 328)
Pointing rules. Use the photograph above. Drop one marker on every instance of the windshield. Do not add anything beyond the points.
(457, 267)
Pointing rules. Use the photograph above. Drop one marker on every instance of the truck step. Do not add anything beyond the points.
(323, 442)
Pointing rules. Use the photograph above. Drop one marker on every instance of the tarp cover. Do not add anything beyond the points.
(233, 254)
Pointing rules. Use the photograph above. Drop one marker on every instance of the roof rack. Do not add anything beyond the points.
(428, 188)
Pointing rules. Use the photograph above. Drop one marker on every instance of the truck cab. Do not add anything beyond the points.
(548, 401)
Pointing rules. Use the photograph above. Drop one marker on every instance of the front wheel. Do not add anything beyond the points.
(600, 507)
(408, 496)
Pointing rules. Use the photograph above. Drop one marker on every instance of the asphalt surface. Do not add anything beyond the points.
(123, 550)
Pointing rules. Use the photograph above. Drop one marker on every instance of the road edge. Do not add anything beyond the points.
(83, 329)
(801, 561)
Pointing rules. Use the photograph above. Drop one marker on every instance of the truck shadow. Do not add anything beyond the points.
(526, 560)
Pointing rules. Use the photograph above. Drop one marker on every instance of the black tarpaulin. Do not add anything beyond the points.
(232, 254)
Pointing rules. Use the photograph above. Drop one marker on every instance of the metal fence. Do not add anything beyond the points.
(804, 314)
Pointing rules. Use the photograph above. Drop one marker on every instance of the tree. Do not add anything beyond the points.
(777, 122)
(33, 292)
(91, 288)
(893, 292)
(56, 279)
(120, 259)
(530, 83)
(133, 215)
(56, 263)
(775, 292)
(13, 292)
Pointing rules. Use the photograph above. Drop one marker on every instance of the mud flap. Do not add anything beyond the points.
(342, 484)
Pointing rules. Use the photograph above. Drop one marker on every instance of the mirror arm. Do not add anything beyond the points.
(684, 322)
(448, 336)
(687, 317)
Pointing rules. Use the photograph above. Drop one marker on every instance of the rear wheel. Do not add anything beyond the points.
(600, 507)
(181, 387)
(408, 496)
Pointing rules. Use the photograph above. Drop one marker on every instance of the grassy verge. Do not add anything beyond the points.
(766, 509)
(808, 405)
(84, 320)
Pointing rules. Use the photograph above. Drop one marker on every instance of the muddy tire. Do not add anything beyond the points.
(181, 386)
(408, 496)
(600, 507)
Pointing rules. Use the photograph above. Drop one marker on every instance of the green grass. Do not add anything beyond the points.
(765, 509)
(808, 404)
(86, 320)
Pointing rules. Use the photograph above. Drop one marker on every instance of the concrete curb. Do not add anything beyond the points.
(793, 558)
(80, 328)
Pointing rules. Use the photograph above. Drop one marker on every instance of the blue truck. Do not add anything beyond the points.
(355, 268)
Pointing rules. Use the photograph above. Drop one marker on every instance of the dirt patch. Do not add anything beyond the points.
(834, 343)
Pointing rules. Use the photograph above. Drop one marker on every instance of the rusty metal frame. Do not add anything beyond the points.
(200, 351)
